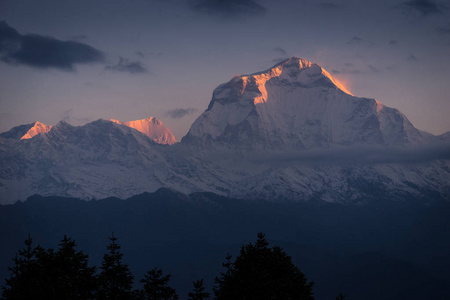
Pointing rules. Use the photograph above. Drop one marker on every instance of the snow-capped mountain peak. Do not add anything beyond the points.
(36, 129)
(27, 131)
(295, 104)
(153, 128)
(298, 70)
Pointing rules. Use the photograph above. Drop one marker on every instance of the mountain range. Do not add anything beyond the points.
(291, 132)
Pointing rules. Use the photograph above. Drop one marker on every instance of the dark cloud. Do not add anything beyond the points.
(444, 29)
(179, 113)
(44, 51)
(139, 53)
(228, 8)
(348, 65)
(124, 65)
(393, 42)
(280, 50)
(355, 41)
(423, 7)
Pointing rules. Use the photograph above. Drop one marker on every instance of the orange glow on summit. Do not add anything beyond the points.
(153, 128)
(339, 84)
(35, 130)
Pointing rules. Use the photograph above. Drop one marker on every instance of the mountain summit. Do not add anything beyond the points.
(296, 104)
(153, 128)
(26, 131)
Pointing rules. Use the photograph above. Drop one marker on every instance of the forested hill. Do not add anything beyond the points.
(387, 250)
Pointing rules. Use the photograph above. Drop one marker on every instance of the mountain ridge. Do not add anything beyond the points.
(152, 127)
(26, 131)
(295, 136)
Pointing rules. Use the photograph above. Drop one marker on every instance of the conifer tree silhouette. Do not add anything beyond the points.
(262, 272)
(156, 286)
(45, 274)
(198, 292)
(115, 281)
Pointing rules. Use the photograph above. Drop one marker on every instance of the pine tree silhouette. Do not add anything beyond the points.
(22, 283)
(198, 292)
(74, 279)
(261, 272)
(155, 286)
(45, 274)
(115, 281)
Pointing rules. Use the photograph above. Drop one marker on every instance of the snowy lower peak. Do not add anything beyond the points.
(38, 128)
(291, 132)
(98, 159)
(153, 128)
(26, 131)
(103, 159)
(296, 105)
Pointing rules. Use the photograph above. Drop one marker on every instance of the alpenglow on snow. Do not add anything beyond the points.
(296, 104)
(291, 132)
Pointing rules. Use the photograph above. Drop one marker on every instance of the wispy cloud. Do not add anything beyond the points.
(68, 116)
(43, 51)
(140, 54)
(444, 29)
(280, 59)
(393, 43)
(391, 67)
(356, 40)
(80, 37)
(125, 65)
(179, 113)
(357, 155)
(346, 71)
(280, 50)
(373, 69)
(228, 8)
(411, 57)
(329, 6)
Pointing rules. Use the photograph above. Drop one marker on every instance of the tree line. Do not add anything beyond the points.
(258, 272)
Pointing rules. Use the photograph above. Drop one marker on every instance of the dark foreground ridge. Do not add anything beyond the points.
(381, 250)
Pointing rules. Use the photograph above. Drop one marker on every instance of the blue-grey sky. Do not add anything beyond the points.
(83, 60)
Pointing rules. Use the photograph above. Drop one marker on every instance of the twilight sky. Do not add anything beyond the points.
(81, 60)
